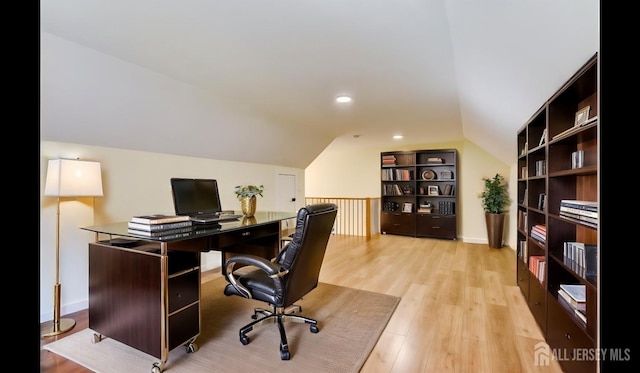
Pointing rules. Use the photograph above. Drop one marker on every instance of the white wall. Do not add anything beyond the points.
(345, 173)
(134, 183)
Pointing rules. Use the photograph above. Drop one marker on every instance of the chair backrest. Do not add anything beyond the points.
(303, 256)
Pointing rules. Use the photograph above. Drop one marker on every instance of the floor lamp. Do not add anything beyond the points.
(68, 178)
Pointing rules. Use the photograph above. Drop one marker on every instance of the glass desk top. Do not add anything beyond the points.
(121, 229)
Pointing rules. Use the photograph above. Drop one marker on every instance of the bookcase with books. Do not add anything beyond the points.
(418, 193)
(557, 233)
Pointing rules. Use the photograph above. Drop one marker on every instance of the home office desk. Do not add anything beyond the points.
(145, 291)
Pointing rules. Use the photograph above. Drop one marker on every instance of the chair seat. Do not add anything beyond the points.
(260, 286)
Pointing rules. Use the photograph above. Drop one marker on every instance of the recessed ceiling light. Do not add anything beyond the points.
(397, 137)
(343, 99)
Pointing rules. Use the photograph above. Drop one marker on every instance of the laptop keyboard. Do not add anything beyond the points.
(214, 217)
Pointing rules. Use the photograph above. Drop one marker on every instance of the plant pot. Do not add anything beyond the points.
(248, 205)
(495, 228)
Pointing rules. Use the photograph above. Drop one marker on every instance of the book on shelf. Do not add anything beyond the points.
(584, 205)
(162, 233)
(158, 219)
(581, 315)
(579, 220)
(542, 201)
(581, 217)
(537, 265)
(543, 137)
(573, 129)
(572, 303)
(577, 159)
(522, 250)
(583, 212)
(159, 227)
(541, 168)
(577, 292)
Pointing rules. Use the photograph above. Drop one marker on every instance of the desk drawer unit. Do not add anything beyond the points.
(127, 291)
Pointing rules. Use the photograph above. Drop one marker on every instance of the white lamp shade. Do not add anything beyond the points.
(73, 178)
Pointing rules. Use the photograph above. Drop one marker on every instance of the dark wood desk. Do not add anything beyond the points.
(145, 292)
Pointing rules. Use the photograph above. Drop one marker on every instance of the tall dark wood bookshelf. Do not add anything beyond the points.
(419, 193)
(558, 162)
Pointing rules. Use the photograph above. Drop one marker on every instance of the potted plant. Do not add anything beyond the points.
(495, 199)
(247, 194)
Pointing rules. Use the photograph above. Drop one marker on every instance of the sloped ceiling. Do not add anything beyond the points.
(432, 70)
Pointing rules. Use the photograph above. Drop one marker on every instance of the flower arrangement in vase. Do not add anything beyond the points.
(247, 195)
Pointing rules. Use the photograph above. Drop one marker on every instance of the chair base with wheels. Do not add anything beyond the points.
(280, 316)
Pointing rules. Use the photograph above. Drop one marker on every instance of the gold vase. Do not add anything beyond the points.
(248, 206)
(249, 220)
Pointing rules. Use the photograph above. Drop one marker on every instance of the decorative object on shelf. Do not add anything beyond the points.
(581, 116)
(68, 178)
(407, 207)
(428, 175)
(247, 194)
(495, 199)
(390, 206)
(435, 160)
(446, 174)
(426, 207)
(433, 190)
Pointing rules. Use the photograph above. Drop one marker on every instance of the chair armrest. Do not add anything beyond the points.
(270, 268)
(251, 260)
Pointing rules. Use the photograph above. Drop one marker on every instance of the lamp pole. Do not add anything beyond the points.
(57, 325)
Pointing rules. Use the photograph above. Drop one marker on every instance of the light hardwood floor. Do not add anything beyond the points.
(461, 310)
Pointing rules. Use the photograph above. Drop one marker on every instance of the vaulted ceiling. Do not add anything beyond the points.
(431, 70)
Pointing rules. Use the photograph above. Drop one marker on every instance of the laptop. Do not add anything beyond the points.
(199, 199)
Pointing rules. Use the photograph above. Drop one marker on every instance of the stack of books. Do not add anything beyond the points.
(539, 232)
(582, 212)
(581, 258)
(574, 298)
(388, 160)
(537, 266)
(541, 168)
(446, 207)
(160, 225)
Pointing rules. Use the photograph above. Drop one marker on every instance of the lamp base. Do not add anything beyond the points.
(50, 328)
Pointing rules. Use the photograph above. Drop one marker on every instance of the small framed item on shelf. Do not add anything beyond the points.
(581, 116)
(446, 174)
(407, 207)
(433, 190)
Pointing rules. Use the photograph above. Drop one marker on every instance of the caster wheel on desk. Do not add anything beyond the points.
(191, 347)
(314, 328)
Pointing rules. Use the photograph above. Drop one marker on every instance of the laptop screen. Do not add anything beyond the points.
(195, 196)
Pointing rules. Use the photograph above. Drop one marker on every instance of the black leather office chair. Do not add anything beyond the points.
(288, 277)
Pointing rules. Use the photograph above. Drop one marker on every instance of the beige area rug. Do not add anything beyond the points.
(350, 322)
